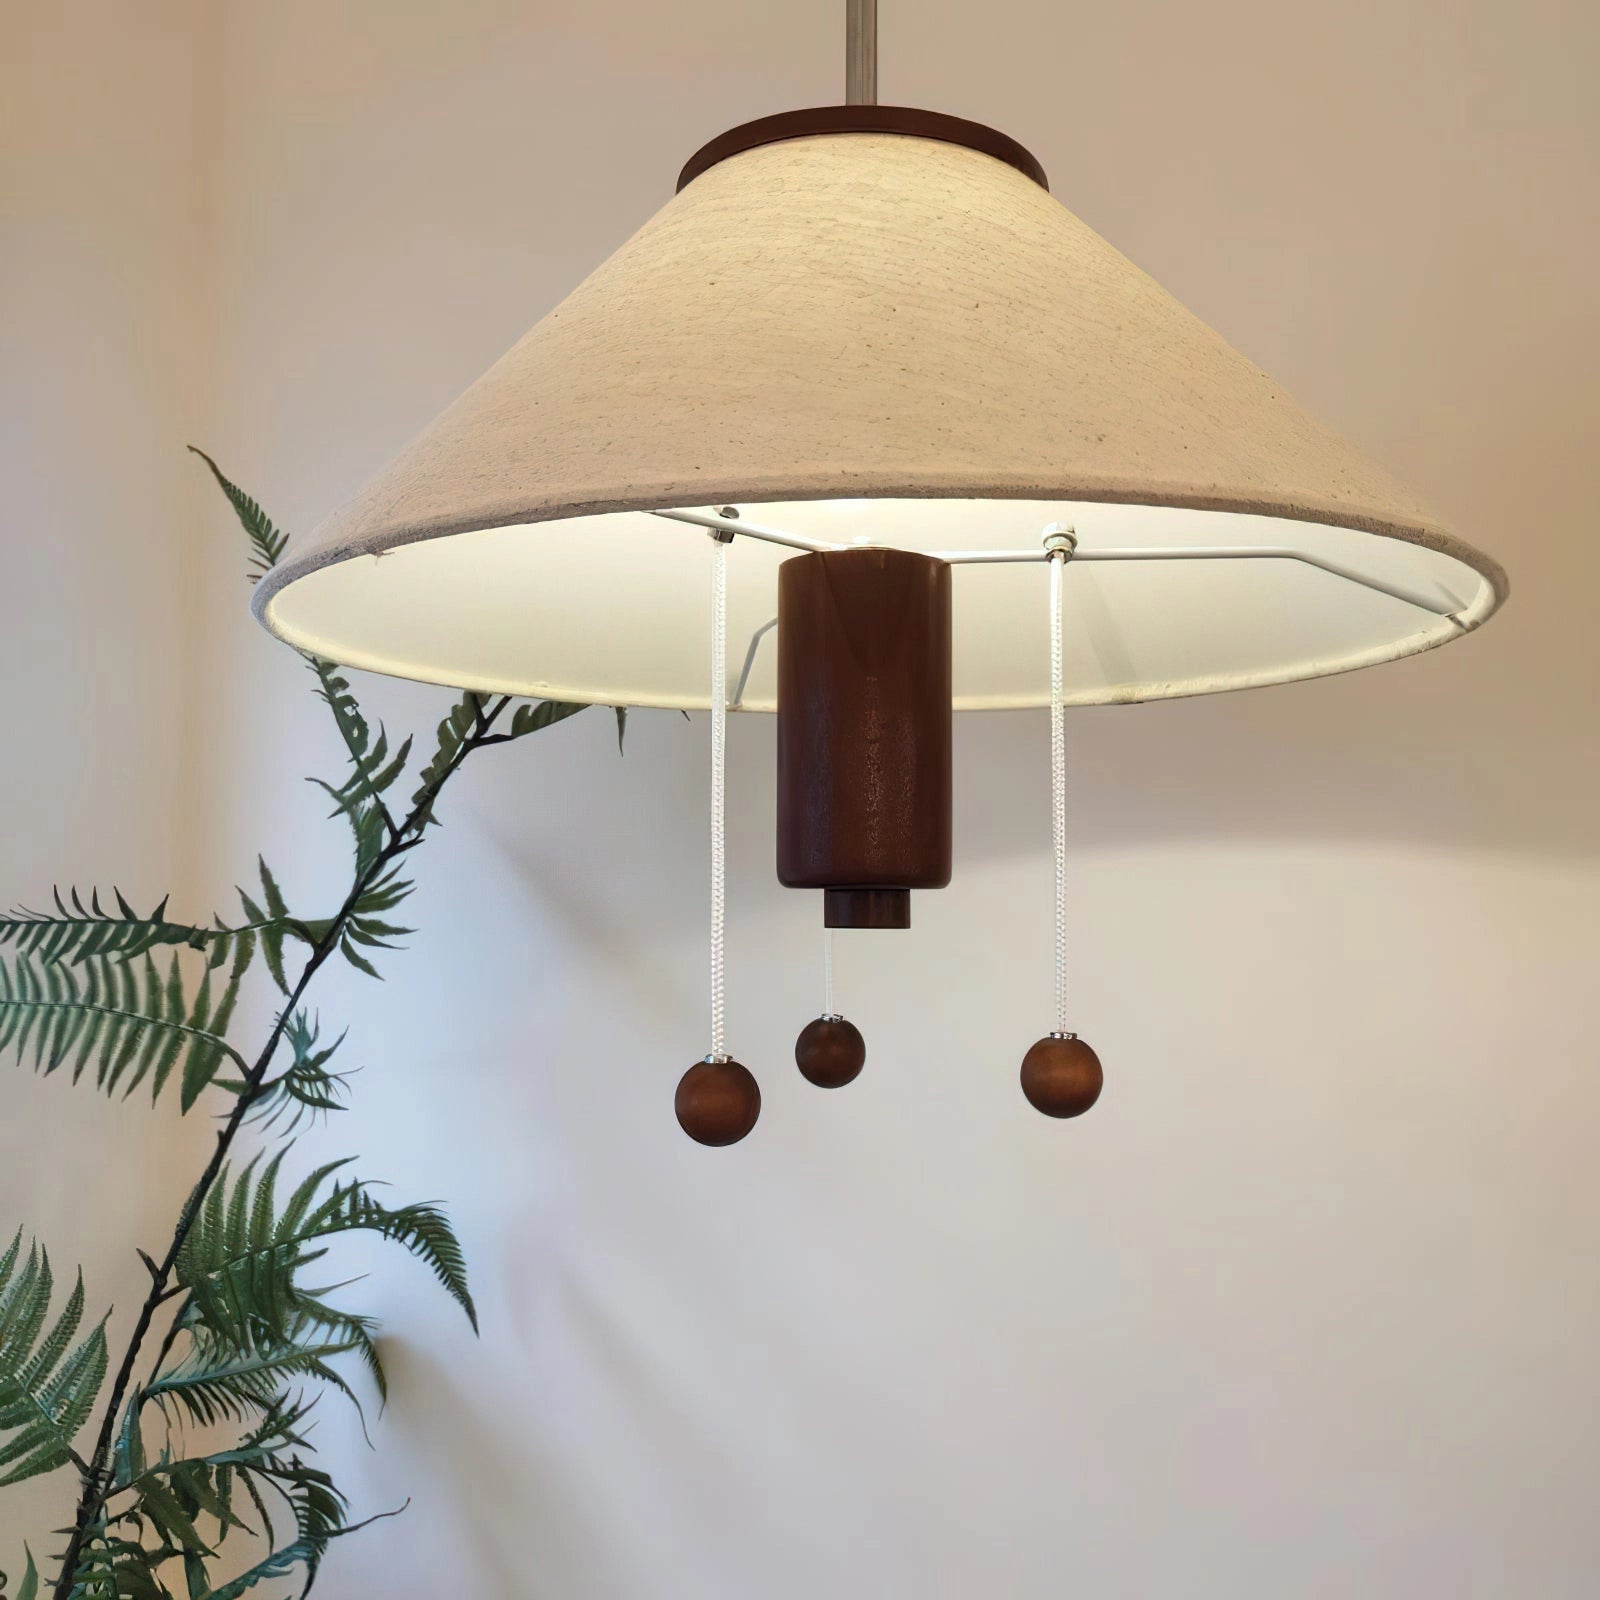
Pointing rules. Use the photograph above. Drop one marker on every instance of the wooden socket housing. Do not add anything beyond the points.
(864, 731)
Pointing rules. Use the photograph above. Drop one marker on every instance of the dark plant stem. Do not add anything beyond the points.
(407, 836)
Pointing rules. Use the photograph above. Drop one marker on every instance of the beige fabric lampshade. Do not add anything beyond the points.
(870, 337)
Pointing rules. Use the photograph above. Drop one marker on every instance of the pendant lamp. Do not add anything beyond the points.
(951, 450)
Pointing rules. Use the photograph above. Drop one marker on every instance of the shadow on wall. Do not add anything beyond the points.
(1405, 754)
(484, 1478)
(1414, 753)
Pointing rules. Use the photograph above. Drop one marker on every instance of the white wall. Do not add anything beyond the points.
(1307, 1305)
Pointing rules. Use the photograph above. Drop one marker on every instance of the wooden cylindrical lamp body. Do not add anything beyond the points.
(864, 731)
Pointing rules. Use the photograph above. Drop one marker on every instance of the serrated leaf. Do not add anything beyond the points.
(28, 1589)
(124, 1021)
(241, 1261)
(373, 770)
(267, 543)
(307, 1086)
(459, 722)
(74, 932)
(48, 1384)
(532, 716)
(160, 1505)
(216, 1382)
(357, 960)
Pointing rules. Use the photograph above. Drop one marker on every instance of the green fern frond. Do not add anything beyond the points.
(125, 1019)
(367, 926)
(75, 932)
(536, 715)
(111, 1567)
(267, 543)
(469, 718)
(215, 1381)
(374, 769)
(307, 1087)
(48, 1385)
(90, 988)
(240, 1262)
(379, 898)
(334, 690)
(172, 1498)
(29, 1589)
(533, 716)
(354, 1329)
(423, 1230)
(460, 722)
(369, 823)
(160, 1509)
(270, 920)
(319, 1509)
(277, 1565)
(78, 931)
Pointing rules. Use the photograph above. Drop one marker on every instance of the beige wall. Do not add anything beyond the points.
(1307, 1306)
(104, 339)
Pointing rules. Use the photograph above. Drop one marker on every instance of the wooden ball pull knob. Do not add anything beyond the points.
(830, 1052)
(717, 1102)
(1061, 1076)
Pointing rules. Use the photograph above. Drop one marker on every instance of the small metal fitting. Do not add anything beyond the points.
(1060, 542)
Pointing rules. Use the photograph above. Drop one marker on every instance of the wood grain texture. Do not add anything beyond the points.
(864, 724)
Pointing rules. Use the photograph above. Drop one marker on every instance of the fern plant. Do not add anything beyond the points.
(232, 1338)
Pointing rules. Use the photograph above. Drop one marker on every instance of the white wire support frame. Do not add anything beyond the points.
(719, 784)
(1223, 552)
(726, 523)
(728, 520)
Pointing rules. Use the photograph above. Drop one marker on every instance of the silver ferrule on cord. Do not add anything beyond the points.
(719, 766)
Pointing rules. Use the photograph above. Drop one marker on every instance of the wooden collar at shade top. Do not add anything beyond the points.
(864, 119)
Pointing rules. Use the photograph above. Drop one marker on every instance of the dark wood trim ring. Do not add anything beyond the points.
(863, 119)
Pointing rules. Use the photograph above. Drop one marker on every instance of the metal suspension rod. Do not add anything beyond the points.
(737, 703)
(861, 52)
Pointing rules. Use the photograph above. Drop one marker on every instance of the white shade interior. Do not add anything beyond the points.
(615, 608)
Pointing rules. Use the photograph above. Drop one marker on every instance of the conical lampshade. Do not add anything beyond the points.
(883, 338)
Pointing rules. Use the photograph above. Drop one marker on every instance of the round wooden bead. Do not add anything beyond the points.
(717, 1102)
(1061, 1076)
(830, 1052)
